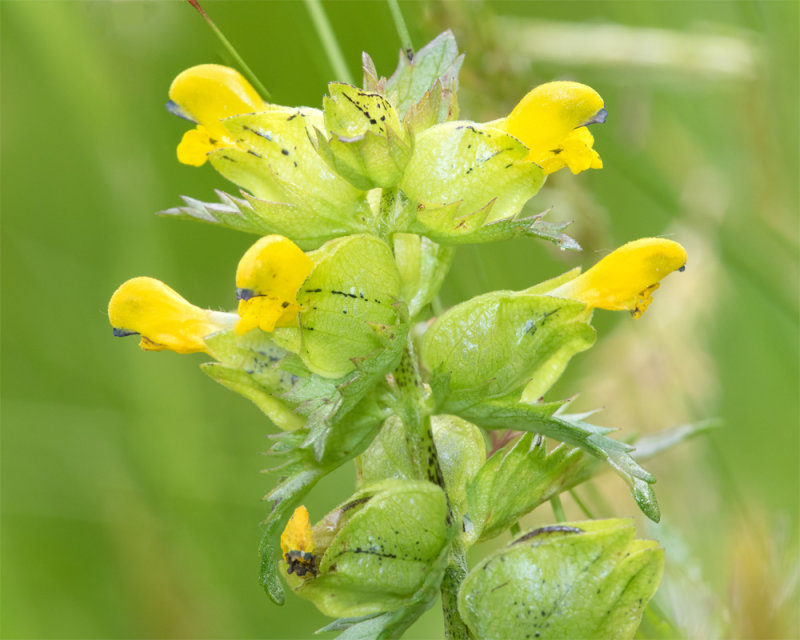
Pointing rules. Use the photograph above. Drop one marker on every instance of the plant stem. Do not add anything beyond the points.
(400, 25)
(416, 418)
(581, 504)
(454, 627)
(262, 90)
(415, 410)
(558, 509)
(328, 39)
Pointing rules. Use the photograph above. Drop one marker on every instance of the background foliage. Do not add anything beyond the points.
(130, 485)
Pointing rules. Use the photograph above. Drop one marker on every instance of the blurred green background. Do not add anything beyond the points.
(130, 484)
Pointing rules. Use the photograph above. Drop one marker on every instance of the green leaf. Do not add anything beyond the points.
(381, 556)
(500, 341)
(242, 382)
(651, 445)
(508, 413)
(478, 171)
(516, 480)
(368, 145)
(284, 499)
(437, 60)
(252, 215)
(574, 580)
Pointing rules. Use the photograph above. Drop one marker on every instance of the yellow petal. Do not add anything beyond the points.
(297, 544)
(546, 121)
(195, 146)
(297, 536)
(267, 280)
(162, 318)
(626, 278)
(207, 94)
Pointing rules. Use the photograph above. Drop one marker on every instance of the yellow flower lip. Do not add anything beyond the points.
(163, 318)
(268, 278)
(627, 277)
(551, 121)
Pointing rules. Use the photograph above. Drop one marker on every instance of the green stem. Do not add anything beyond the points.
(581, 504)
(454, 627)
(262, 90)
(400, 25)
(558, 509)
(328, 39)
(416, 417)
(415, 410)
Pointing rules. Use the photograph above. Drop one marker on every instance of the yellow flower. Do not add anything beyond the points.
(551, 121)
(267, 280)
(163, 319)
(626, 278)
(206, 94)
(297, 543)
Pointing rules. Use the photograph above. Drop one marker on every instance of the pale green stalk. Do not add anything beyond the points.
(581, 504)
(237, 59)
(400, 25)
(558, 509)
(328, 39)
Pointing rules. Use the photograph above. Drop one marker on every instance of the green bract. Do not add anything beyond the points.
(386, 538)
(459, 445)
(503, 341)
(368, 145)
(577, 580)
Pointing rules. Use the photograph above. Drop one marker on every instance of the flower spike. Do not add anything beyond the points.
(627, 277)
(206, 94)
(164, 319)
(551, 121)
(267, 280)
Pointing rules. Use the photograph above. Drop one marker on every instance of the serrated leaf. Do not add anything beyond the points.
(253, 215)
(651, 445)
(470, 166)
(587, 579)
(371, 79)
(515, 480)
(284, 498)
(437, 60)
(573, 430)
